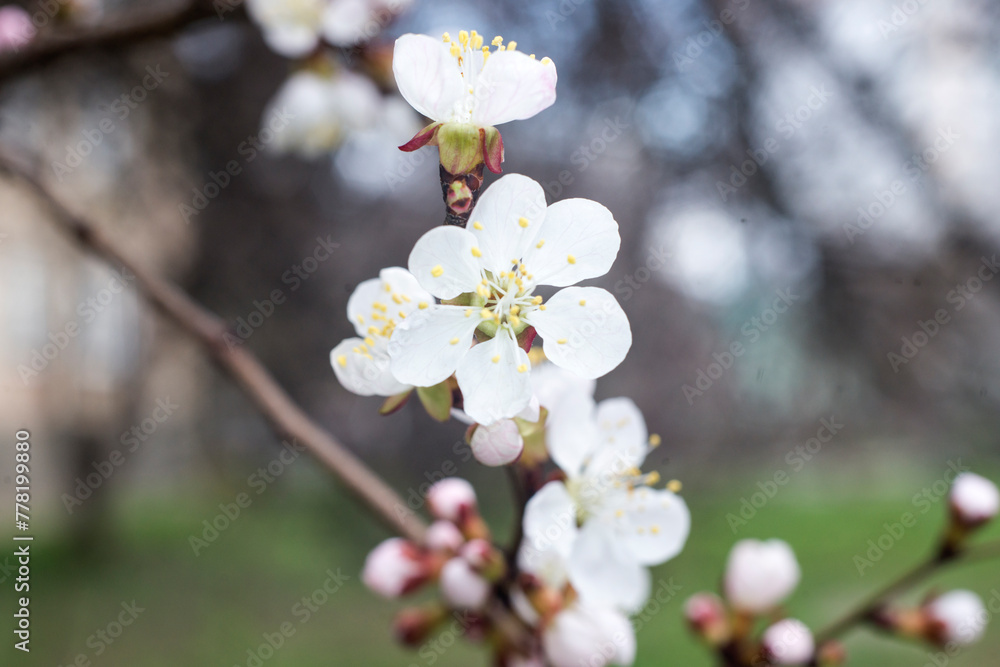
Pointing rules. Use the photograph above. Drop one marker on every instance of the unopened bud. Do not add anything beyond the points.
(462, 587)
(760, 575)
(444, 536)
(957, 616)
(396, 567)
(706, 614)
(452, 499)
(485, 559)
(788, 642)
(974, 500)
(498, 443)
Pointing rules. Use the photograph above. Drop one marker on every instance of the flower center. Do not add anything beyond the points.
(506, 297)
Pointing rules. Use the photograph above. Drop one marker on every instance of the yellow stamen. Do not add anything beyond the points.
(562, 341)
(655, 530)
(571, 259)
(437, 271)
(453, 341)
(496, 359)
(536, 300)
(497, 41)
(523, 222)
(397, 299)
(468, 313)
(423, 305)
(486, 313)
(456, 52)
(514, 320)
(463, 37)
(370, 341)
(653, 478)
(583, 302)
(477, 225)
(361, 319)
(674, 486)
(515, 309)
(446, 38)
(522, 368)
(342, 360)
(476, 252)
(654, 440)
(511, 46)
(546, 60)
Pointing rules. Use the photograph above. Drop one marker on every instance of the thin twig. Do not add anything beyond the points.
(865, 610)
(284, 414)
(134, 26)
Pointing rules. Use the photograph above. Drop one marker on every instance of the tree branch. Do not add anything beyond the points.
(136, 26)
(866, 609)
(287, 418)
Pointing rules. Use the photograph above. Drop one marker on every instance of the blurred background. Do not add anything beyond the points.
(807, 195)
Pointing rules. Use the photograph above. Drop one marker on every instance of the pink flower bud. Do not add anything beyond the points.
(395, 567)
(957, 616)
(461, 587)
(706, 613)
(413, 626)
(760, 575)
(588, 635)
(974, 499)
(452, 499)
(498, 443)
(789, 642)
(444, 536)
(16, 28)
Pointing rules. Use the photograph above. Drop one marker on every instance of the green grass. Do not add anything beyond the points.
(210, 609)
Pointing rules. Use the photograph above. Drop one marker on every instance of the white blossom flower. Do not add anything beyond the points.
(462, 587)
(624, 524)
(974, 499)
(467, 88)
(375, 309)
(958, 616)
(586, 634)
(395, 567)
(293, 28)
(513, 245)
(451, 499)
(789, 642)
(760, 575)
(318, 111)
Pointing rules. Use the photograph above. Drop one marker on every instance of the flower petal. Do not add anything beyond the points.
(584, 329)
(570, 436)
(623, 429)
(291, 40)
(427, 76)
(513, 86)
(552, 384)
(495, 379)
(367, 373)
(443, 263)
(653, 525)
(496, 219)
(395, 291)
(550, 519)
(603, 573)
(421, 348)
(579, 240)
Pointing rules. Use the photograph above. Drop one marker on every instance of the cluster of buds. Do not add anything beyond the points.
(973, 502)
(759, 577)
(456, 553)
